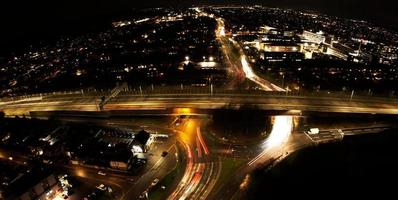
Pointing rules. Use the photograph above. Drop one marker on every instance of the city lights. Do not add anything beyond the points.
(210, 102)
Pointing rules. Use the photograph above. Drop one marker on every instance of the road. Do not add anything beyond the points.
(205, 101)
(231, 59)
(202, 167)
(157, 166)
(201, 171)
(236, 60)
(274, 147)
(281, 142)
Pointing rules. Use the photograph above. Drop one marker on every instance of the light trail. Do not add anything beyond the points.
(187, 174)
(21, 100)
(281, 130)
(265, 85)
(198, 174)
(199, 149)
(194, 181)
(202, 142)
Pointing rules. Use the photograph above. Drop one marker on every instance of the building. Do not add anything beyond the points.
(311, 37)
(340, 51)
(44, 189)
(280, 47)
(282, 56)
(278, 51)
(28, 183)
(122, 161)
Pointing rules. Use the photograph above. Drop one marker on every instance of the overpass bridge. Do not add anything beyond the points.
(199, 99)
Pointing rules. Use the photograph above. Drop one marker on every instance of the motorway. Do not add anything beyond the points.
(203, 101)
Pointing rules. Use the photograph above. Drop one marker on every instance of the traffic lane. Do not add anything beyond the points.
(117, 183)
(257, 98)
(271, 103)
(200, 168)
(212, 166)
(249, 98)
(390, 109)
(231, 188)
(143, 183)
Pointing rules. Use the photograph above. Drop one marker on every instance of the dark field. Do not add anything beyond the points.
(359, 166)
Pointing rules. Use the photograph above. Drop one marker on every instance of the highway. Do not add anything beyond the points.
(203, 165)
(204, 101)
(231, 59)
(236, 59)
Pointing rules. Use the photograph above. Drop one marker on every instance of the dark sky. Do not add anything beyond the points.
(24, 21)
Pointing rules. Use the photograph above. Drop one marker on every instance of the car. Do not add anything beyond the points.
(131, 179)
(143, 195)
(164, 153)
(101, 187)
(154, 182)
(313, 131)
(101, 173)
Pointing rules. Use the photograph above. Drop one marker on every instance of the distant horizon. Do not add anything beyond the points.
(42, 21)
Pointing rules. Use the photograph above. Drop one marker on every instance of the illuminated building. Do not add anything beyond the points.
(318, 38)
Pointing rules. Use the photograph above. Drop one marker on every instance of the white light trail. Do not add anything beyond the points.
(265, 85)
(281, 130)
(246, 68)
(222, 31)
(251, 75)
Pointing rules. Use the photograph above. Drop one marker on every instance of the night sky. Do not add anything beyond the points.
(26, 21)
